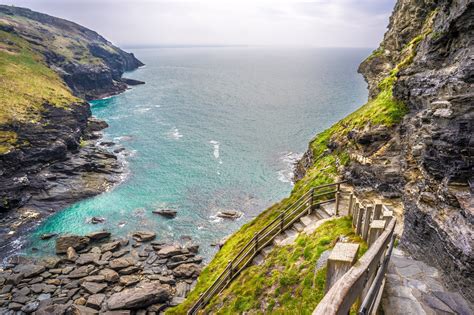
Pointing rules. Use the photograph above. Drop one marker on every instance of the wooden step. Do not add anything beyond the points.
(291, 233)
(279, 239)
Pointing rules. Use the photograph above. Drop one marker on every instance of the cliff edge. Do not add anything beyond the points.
(49, 155)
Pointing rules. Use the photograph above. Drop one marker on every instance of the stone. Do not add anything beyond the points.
(229, 214)
(121, 263)
(170, 250)
(99, 235)
(55, 309)
(77, 309)
(6, 288)
(36, 280)
(80, 301)
(15, 306)
(97, 278)
(193, 248)
(81, 272)
(93, 287)
(75, 241)
(187, 271)
(127, 281)
(166, 279)
(118, 312)
(167, 213)
(129, 270)
(139, 297)
(109, 275)
(29, 270)
(67, 270)
(30, 307)
(106, 256)
(143, 236)
(85, 259)
(47, 236)
(455, 301)
(95, 301)
(110, 247)
(50, 262)
(121, 253)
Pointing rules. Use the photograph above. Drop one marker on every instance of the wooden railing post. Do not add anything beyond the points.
(230, 270)
(351, 204)
(256, 242)
(282, 222)
(376, 229)
(338, 201)
(378, 211)
(387, 216)
(342, 258)
(360, 216)
(355, 214)
(367, 219)
(311, 200)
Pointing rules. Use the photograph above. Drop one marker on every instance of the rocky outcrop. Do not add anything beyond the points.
(426, 159)
(122, 275)
(55, 159)
(90, 65)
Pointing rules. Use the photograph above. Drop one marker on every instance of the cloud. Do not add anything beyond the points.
(352, 23)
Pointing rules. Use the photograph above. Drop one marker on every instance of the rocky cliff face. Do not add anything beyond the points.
(426, 159)
(433, 145)
(49, 151)
(88, 63)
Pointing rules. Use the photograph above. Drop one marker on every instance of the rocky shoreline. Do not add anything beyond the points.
(95, 274)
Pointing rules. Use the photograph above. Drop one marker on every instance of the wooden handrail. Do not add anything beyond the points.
(342, 295)
(253, 247)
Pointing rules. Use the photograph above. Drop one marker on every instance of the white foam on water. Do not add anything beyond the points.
(216, 153)
(174, 134)
(289, 159)
(143, 110)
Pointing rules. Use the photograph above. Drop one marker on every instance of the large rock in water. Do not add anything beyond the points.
(139, 297)
(75, 241)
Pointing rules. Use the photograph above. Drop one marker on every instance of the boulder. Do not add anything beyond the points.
(29, 271)
(127, 281)
(167, 213)
(171, 250)
(109, 275)
(77, 309)
(229, 214)
(47, 236)
(71, 254)
(85, 259)
(96, 220)
(75, 241)
(141, 296)
(95, 301)
(121, 263)
(99, 235)
(187, 271)
(143, 236)
(81, 272)
(110, 247)
(93, 287)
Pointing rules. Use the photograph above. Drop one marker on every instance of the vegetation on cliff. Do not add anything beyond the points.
(330, 151)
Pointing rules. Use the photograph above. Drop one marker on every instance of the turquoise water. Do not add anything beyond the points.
(212, 129)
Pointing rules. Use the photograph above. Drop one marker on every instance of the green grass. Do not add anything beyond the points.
(286, 283)
(26, 84)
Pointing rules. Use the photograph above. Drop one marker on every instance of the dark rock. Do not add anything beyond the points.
(187, 271)
(96, 220)
(129, 280)
(93, 288)
(99, 235)
(110, 247)
(121, 263)
(29, 271)
(30, 307)
(166, 213)
(139, 297)
(229, 214)
(132, 81)
(143, 236)
(95, 301)
(15, 306)
(74, 241)
(82, 310)
(109, 275)
(85, 259)
(47, 236)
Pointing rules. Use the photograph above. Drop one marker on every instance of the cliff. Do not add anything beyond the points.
(48, 152)
(410, 144)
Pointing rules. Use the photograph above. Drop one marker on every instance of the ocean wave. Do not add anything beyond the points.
(216, 153)
(143, 109)
(174, 134)
(289, 159)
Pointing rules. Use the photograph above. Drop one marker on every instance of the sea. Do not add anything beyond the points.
(213, 129)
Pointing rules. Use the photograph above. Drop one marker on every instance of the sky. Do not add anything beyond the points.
(318, 23)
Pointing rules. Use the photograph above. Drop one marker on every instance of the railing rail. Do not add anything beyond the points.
(304, 205)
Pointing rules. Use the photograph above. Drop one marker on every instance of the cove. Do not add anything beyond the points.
(213, 128)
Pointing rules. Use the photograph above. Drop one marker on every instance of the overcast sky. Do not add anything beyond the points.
(325, 23)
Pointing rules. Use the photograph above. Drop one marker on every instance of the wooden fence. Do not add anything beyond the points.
(305, 205)
(362, 284)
